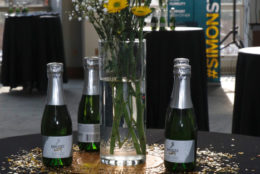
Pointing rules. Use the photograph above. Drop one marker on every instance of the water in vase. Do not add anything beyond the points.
(122, 123)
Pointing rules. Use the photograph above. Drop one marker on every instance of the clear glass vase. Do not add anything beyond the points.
(123, 106)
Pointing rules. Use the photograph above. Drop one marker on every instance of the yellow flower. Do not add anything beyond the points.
(141, 10)
(114, 6)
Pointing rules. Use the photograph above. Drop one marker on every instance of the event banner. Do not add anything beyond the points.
(205, 14)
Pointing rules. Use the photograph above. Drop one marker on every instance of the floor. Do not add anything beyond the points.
(220, 103)
(20, 112)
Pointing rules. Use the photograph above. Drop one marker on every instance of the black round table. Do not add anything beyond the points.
(246, 114)
(162, 48)
(246, 149)
(31, 41)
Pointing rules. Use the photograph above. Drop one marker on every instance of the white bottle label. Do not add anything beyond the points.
(153, 24)
(57, 146)
(162, 24)
(89, 133)
(179, 151)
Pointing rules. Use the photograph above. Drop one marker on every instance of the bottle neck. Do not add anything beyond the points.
(162, 13)
(154, 14)
(55, 90)
(91, 81)
(181, 97)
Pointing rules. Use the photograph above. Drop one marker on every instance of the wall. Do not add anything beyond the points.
(80, 38)
(90, 40)
(254, 6)
(72, 35)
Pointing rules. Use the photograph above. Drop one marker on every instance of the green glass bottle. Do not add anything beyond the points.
(162, 20)
(154, 20)
(88, 112)
(180, 125)
(18, 8)
(172, 19)
(56, 125)
(11, 8)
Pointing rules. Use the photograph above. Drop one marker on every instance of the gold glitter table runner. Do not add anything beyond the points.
(217, 152)
(30, 161)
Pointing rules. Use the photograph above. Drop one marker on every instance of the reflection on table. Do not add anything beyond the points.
(246, 114)
(30, 42)
(237, 152)
(162, 48)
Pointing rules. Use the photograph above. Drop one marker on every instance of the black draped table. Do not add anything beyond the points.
(31, 41)
(245, 150)
(162, 48)
(246, 114)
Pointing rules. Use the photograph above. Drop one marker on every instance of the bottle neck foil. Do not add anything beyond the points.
(91, 81)
(55, 89)
(181, 97)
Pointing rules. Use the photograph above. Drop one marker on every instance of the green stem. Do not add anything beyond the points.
(116, 119)
(114, 129)
(131, 130)
(140, 118)
(121, 108)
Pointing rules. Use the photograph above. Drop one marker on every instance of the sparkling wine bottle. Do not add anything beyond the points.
(180, 126)
(88, 112)
(56, 125)
(162, 20)
(154, 20)
(172, 19)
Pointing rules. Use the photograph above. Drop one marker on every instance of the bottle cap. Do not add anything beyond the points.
(90, 61)
(181, 60)
(182, 69)
(172, 11)
(54, 67)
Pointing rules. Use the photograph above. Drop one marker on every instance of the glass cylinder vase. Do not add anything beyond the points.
(122, 101)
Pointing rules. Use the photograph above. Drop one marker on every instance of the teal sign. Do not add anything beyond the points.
(184, 11)
(205, 14)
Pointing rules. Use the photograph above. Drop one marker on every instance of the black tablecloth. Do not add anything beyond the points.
(29, 43)
(246, 148)
(246, 114)
(162, 48)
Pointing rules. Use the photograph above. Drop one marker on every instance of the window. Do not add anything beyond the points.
(227, 25)
(5, 3)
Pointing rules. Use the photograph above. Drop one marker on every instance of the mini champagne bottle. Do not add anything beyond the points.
(154, 20)
(162, 20)
(88, 112)
(56, 125)
(180, 126)
(172, 19)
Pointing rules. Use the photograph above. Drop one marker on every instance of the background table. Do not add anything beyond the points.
(227, 143)
(162, 48)
(30, 42)
(246, 114)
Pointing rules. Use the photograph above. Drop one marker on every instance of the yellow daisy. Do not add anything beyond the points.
(114, 6)
(141, 10)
